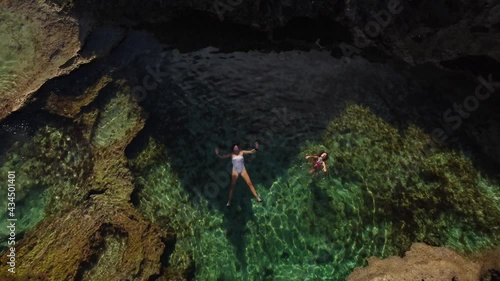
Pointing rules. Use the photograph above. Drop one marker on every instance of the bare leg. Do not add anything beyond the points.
(245, 176)
(312, 170)
(234, 177)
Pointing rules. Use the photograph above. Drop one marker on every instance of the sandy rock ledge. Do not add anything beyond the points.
(424, 262)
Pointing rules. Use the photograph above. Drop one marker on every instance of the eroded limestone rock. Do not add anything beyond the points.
(103, 238)
(424, 262)
(40, 45)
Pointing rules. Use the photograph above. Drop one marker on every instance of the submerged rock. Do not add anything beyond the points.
(103, 237)
(77, 245)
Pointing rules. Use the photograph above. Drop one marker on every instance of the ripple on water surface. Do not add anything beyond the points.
(50, 167)
(371, 203)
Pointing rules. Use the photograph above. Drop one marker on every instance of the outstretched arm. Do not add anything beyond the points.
(222, 156)
(249, 151)
(315, 157)
(324, 166)
(253, 150)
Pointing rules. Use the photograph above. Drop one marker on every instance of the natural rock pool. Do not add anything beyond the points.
(117, 176)
(387, 185)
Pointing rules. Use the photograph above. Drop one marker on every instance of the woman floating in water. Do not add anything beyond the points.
(319, 162)
(239, 169)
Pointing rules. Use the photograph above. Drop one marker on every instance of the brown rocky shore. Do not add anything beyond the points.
(50, 47)
(424, 262)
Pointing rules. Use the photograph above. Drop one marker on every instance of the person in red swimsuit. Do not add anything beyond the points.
(319, 162)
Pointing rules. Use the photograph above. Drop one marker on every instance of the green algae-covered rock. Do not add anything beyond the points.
(50, 169)
(118, 117)
(427, 192)
(383, 191)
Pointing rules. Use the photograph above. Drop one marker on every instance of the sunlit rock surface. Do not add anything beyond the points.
(423, 262)
(37, 44)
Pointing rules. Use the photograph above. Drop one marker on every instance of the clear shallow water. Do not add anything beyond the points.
(310, 228)
(50, 168)
(385, 188)
(300, 231)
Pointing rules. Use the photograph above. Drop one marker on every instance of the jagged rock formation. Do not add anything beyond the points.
(82, 244)
(428, 31)
(427, 263)
(415, 31)
(46, 46)
(103, 237)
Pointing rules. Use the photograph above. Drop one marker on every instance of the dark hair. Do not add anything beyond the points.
(324, 159)
(232, 147)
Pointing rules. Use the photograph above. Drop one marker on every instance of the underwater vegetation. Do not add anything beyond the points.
(117, 118)
(51, 168)
(384, 190)
(429, 193)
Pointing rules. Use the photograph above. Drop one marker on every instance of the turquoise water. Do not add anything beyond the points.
(298, 232)
(310, 227)
(385, 189)
(50, 168)
(387, 184)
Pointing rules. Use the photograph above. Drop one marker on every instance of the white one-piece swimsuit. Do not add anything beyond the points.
(238, 164)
